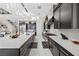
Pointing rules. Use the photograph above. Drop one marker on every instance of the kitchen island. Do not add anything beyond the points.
(16, 46)
(64, 47)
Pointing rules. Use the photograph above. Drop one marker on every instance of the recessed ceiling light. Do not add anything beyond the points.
(39, 7)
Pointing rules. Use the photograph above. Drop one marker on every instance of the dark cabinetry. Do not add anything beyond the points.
(53, 48)
(66, 16)
(63, 52)
(63, 16)
(57, 19)
(25, 50)
(56, 49)
(77, 6)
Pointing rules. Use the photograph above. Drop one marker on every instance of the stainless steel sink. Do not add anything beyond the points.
(51, 34)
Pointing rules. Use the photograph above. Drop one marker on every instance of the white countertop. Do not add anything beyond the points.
(67, 44)
(72, 34)
(7, 42)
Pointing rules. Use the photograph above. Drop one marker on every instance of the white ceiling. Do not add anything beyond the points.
(17, 10)
(45, 9)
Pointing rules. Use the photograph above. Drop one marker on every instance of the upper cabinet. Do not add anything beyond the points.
(66, 16)
(76, 7)
(57, 18)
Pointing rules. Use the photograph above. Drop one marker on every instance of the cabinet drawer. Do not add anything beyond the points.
(53, 48)
(24, 50)
(64, 52)
(51, 43)
(55, 51)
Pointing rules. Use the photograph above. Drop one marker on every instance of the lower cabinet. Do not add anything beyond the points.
(25, 49)
(64, 52)
(54, 51)
(53, 48)
(57, 50)
(9, 52)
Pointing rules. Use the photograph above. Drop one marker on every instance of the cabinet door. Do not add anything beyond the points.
(66, 16)
(25, 50)
(53, 48)
(57, 19)
(77, 15)
(62, 52)
(55, 51)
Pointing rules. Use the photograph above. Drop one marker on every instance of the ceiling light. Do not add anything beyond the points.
(39, 7)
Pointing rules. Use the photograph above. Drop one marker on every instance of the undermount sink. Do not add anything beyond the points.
(51, 34)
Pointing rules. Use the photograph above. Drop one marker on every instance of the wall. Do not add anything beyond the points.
(40, 21)
(39, 25)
